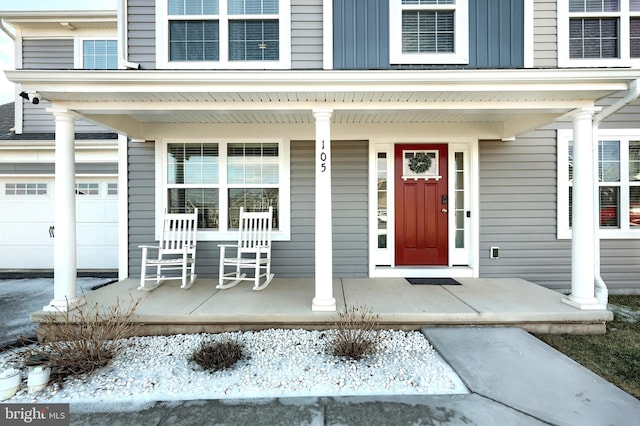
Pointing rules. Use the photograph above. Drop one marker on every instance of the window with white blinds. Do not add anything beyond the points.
(429, 31)
(598, 32)
(220, 177)
(224, 33)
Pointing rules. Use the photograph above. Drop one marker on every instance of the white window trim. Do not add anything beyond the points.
(162, 44)
(564, 232)
(624, 60)
(461, 41)
(78, 49)
(284, 186)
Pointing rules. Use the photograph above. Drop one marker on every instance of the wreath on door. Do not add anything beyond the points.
(419, 163)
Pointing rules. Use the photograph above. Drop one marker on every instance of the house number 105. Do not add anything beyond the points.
(323, 158)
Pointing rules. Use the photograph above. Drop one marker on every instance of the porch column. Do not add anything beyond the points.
(583, 214)
(64, 257)
(323, 300)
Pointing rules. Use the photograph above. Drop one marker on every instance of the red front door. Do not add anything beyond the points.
(421, 204)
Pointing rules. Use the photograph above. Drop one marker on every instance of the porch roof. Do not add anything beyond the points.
(503, 103)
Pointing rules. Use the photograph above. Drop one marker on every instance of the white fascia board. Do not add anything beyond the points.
(221, 81)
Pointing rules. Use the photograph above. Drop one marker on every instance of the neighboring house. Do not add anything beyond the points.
(400, 138)
(58, 41)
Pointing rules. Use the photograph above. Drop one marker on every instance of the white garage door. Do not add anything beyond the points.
(27, 218)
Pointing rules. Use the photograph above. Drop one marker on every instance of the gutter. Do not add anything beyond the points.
(601, 291)
(122, 37)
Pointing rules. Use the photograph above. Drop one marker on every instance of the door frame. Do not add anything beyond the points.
(462, 263)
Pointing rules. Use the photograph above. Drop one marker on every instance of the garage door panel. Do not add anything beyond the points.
(32, 257)
(93, 211)
(27, 210)
(25, 221)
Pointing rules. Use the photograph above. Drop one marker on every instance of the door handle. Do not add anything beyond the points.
(444, 210)
(52, 231)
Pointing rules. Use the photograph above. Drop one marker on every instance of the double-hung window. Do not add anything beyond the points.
(618, 183)
(219, 177)
(429, 31)
(598, 33)
(223, 34)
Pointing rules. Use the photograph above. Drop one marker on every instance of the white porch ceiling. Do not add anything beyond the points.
(512, 101)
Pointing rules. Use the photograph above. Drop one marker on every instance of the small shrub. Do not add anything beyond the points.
(83, 339)
(218, 355)
(357, 333)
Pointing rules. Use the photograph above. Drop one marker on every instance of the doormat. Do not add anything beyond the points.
(432, 281)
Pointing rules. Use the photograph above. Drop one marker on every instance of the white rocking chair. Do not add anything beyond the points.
(253, 251)
(176, 251)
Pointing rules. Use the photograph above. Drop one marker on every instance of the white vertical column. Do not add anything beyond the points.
(64, 258)
(583, 214)
(323, 300)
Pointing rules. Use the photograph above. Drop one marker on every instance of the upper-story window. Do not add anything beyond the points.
(99, 54)
(429, 31)
(598, 33)
(213, 34)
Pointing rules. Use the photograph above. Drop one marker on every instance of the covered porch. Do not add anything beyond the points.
(325, 107)
(509, 302)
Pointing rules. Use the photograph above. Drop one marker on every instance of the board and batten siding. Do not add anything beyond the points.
(545, 34)
(361, 34)
(518, 189)
(294, 258)
(306, 33)
(362, 28)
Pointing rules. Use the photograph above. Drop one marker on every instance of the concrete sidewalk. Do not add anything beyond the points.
(514, 379)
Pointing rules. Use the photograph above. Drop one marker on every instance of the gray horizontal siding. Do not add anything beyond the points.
(620, 263)
(36, 119)
(49, 168)
(141, 203)
(141, 32)
(306, 34)
(545, 34)
(47, 54)
(518, 188)
(294, 258)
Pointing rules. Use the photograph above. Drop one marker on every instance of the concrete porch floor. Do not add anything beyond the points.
(286, 303)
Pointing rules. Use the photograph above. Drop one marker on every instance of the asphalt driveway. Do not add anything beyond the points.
(21, 297)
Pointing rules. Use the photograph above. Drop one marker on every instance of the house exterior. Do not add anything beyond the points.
(406, 138)
(27, 149)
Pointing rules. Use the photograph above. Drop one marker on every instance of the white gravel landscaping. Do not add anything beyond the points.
(281, 363)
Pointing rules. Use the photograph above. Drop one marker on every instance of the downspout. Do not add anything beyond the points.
(6, 30)
(122, 38)
(601, 292)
